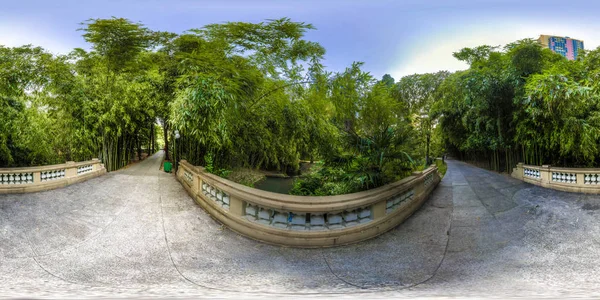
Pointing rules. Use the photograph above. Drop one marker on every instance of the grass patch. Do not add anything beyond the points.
(442, 166)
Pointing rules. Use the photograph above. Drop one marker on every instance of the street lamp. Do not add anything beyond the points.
(426, 124)
(177, 136)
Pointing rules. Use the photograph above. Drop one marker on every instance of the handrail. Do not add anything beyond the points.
(307, 221)
(48, 167)
(580, 180)
(41, 178)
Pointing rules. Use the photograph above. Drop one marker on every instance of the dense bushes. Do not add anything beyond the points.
(240, 95)
(522, 103)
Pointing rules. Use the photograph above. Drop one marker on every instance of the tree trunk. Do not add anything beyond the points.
(151, 139)
(427, 152)
(139, 147)
(166, 137)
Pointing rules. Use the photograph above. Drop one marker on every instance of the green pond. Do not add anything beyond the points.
(281, 185)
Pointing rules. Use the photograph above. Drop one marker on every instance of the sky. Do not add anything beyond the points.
(400, 37)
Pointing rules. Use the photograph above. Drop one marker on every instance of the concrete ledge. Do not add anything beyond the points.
(576, 180)
(65, 174)
(283, 218)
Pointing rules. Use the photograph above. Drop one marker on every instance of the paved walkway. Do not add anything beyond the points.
(136, 232)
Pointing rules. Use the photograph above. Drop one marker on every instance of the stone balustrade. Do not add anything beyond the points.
(579, 180)
(307, 221)
(35, 179)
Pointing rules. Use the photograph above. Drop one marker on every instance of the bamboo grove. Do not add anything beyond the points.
(257, 95)
(522, 103)
(240, 95)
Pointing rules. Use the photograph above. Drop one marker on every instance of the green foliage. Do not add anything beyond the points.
(523, 103)
(388, 80)
(247, 177)
(32, 131)
(210, 167)
(419, 93)
(248, 105)
(11, 110)
(442, 167)
(374, 139)
(81, 105)
(324, 182)
(118, 41)
(241, 95)
(474, 56)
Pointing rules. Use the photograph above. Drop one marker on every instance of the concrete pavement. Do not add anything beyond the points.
(136, 233)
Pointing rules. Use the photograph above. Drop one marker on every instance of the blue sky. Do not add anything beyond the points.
(395, 37)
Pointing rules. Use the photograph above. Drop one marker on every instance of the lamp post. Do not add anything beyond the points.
(177, 136)
(425, 123)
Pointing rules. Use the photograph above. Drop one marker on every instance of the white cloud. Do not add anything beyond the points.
(434, 53)
(14, 34)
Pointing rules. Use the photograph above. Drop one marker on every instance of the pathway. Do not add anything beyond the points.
(135, 232)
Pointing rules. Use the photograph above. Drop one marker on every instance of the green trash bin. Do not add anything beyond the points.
(167, 167)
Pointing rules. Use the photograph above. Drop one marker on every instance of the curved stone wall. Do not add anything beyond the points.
(35, 179)
(579, 180)
(307, 221)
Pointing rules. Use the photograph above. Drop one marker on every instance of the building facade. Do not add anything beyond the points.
(564, 46)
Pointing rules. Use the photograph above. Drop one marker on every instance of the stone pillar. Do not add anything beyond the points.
(195, 183)
(178, 173)
(436, 175)
(419, 187)
(236, 206)
(545, 175)
(37, 177)
(379, 210)
(199, 185)
(70, 169)
(95, 164)
(518, 171)
(580, 179)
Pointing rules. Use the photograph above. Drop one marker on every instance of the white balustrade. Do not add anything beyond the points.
(52, 175)
(188, 177)
(216, 195)
(393, 203)
(591, 178)
(428, 179)
(307, 221)
(84, 169)
(533, 173)
(564, 177)
(16, 178)
(41, 178)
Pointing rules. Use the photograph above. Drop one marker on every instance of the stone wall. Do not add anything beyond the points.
(307, 221)
(35, 179)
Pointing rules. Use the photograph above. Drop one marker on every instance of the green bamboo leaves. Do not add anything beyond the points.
(522, 103)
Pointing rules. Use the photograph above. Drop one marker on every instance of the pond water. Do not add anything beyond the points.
(281, 185)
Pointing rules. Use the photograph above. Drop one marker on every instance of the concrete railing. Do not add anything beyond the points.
(307, 221)
(579, 180)
(35, 179)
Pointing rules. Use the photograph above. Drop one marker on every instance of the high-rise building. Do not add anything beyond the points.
(564, 46)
